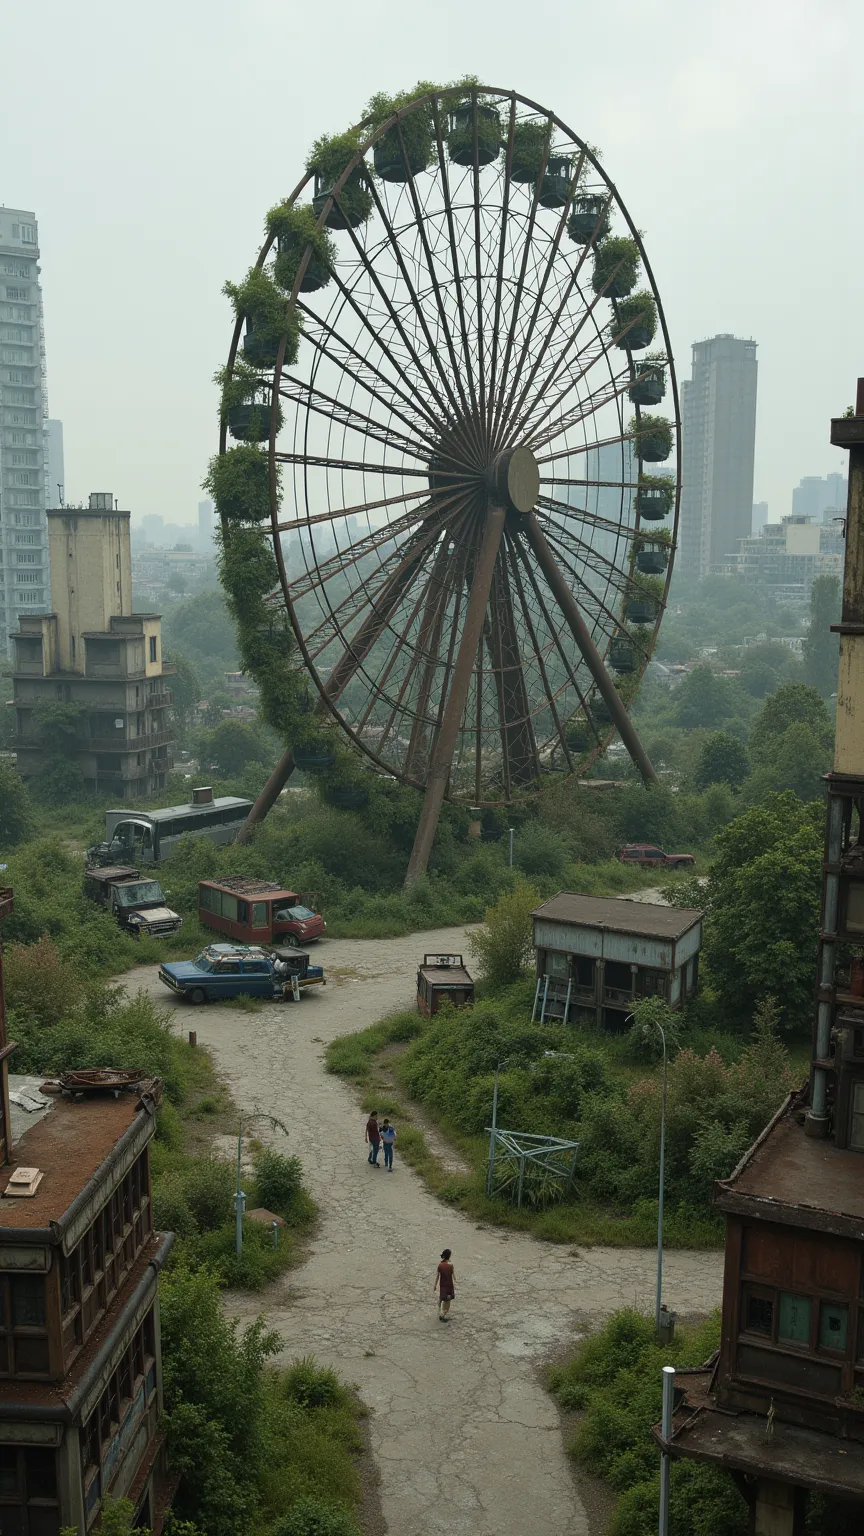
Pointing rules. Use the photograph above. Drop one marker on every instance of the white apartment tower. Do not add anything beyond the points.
(24, 578)
(718, 421)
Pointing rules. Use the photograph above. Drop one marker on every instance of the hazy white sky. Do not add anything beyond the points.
(151, 140)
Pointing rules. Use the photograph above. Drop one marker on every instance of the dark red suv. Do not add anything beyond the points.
(647, 855)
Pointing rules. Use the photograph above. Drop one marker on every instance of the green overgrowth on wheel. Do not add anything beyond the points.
(635, 314)
(661, 486)
(417, 129)
(328, 158)
(616, 266)
(531, 143)
(653, 433)
(271, 316)
(239, 482)
(294, 226)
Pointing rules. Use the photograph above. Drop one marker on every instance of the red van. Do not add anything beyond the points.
(258, 912)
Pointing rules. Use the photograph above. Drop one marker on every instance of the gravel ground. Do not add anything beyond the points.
(467, 1441)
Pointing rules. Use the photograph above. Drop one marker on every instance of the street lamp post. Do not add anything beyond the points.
(659, 1300)
(511, 830)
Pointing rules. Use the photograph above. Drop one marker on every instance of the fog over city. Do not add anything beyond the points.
(151, 145)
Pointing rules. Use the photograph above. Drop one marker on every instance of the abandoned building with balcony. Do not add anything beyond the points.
(781, 1405)
(96, 657)
(80, 1357)
(597, 956)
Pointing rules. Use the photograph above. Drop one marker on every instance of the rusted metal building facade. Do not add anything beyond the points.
(79, 1314)
(782, 1405)
(597, 956)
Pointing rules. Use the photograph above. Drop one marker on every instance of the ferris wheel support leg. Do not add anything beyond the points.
(442, 756)
(582, 635)
(268, 796)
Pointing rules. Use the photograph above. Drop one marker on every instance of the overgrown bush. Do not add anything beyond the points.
(615, 1378)
(278, 1180)
(505, 943)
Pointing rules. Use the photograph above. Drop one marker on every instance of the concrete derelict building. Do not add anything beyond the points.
(94, 652)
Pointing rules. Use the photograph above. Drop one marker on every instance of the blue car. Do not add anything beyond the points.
(234, 970)
(222, 971)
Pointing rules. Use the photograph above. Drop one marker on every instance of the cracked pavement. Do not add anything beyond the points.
(466, 1440)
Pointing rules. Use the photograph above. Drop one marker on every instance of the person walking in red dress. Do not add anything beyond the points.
(445, 1286)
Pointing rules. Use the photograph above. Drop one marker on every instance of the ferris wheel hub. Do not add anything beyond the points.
(514, 479)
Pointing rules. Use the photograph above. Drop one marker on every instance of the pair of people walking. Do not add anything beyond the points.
(378, 1136)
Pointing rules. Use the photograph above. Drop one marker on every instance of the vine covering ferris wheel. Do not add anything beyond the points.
(437, 392)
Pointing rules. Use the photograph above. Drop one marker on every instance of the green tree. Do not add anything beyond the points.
(185, 685)
(821, 648)
(792, 704)
(722, 760)
(504, 943)
(214, 1401)
(16, 817)
(202, 629)
(703, 699)
(762, 922)
(230, 747)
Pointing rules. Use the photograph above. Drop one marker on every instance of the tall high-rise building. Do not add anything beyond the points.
(760, 516)
(718, 416)
(817, 494)
(54, 467)
(24, 577)
(205, 526)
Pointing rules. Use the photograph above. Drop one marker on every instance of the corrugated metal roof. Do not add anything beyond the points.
(620, 914)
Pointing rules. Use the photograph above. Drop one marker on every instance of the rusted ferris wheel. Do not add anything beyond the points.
(473, 539)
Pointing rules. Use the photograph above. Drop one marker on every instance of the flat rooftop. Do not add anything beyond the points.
(447, 975)
(619, 915)
(737, 1441)
(790, 1177)
(245, 885)
(67, 1143)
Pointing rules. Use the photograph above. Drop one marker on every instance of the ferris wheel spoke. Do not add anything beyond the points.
(591, 600)
(420, 222)
(502, 247)
(433, 600)
(521, 765)
(514, 312)
(478, 276)
(307, 395)
(382, 603)
(528, 620)
(335, 514)
(547, 274)
(591, 560)
(396, 650)
(393, 313)
(344, 560)
(583, 518)
(437, 421)
(573, 450)
(612, 389)
(591, 656)
(415, 302)
(523, 412)
(454, 257)
(383, 389)
(606, 394)
(553, 626)
(571, 284)
(454, 709)
(359, 466)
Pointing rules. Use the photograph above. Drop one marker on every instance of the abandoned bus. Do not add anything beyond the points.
(147, 837)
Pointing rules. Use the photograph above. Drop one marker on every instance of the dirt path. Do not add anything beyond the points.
(466, 1439)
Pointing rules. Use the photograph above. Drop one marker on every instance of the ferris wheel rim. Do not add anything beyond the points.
(436, 98)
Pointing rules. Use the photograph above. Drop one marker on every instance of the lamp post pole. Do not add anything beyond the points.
(511, 830)
(659, 1301)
